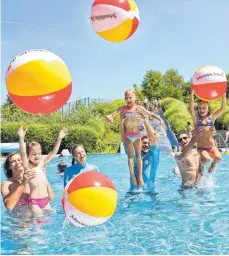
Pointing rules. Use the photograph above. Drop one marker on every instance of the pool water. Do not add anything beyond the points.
(170, 221)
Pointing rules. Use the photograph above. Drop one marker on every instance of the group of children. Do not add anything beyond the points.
(41, 192)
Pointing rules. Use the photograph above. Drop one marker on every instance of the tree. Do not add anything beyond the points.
(172, 77)
(152, 84)
(8, 101)
(138, 91)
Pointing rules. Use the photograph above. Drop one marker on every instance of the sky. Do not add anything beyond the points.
(179, 34)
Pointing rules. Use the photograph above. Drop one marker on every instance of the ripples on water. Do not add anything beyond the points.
(170, 221)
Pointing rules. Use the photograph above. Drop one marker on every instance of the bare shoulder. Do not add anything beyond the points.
(5, 186)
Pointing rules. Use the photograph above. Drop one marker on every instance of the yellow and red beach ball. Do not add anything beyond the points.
(89, 199)
(115, 20)
(209, 83)
(38, 82)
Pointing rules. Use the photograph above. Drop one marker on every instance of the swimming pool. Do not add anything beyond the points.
(170, 222)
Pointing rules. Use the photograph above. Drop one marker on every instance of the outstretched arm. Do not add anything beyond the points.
(191, 107)
(219, 111)
(56, 147)
(110, 117)
(22, 146)
(152, 115)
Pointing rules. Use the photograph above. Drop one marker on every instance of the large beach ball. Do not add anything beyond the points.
(209, 83)
(89, 199)
(38, 82)
(115, 20)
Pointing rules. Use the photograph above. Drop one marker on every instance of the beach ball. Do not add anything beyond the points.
(209, 83)
(89, 199)
(115, 20)
(38, 82)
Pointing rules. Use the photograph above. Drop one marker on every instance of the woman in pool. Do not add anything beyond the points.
(132, 133)
(79, 164)
(205, 141)
(16, 189)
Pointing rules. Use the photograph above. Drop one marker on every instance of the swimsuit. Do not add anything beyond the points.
(131, 135)
(209, 123)
(41, 202)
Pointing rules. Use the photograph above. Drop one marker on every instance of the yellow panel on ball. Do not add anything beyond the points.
(94, 201)
(38, 77)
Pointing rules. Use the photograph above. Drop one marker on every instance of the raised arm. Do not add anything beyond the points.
(56, 147)
(219, 111)
(152, 115)
(151, 133)
(187, 150)
(22, 146)
(192, 108)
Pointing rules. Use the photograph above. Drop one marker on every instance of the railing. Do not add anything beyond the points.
(220, 139)
(66, 109)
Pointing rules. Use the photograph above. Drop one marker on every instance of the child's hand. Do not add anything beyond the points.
(21, 132)
(63, 133)
(109, 119)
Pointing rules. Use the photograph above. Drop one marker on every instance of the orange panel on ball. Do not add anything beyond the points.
(43, 104)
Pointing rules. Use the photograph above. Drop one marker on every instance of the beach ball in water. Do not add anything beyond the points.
(38, 82)
(115, 20)
(89, 199)
(209, 83)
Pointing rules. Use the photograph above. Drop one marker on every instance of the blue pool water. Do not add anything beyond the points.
(170, 222)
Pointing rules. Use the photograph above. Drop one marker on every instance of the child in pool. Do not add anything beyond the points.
(41, 192)
(205, 141)
(132, 133)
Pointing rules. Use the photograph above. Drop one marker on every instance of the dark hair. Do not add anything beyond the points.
(8, 172)
(145, 137)
(188, 123)
(73, 149)
(61, 166)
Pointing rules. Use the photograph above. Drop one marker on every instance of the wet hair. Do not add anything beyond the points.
(73, 149)
(8, 172)
(32, 144)
(61, 166)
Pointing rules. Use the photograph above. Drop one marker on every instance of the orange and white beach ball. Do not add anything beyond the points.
(38, 82)
(209, 83)
(115, 20)
(89, 199)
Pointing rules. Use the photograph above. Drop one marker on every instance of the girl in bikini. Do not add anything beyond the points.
(205, 141)
(40, 189)
(132, 133)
